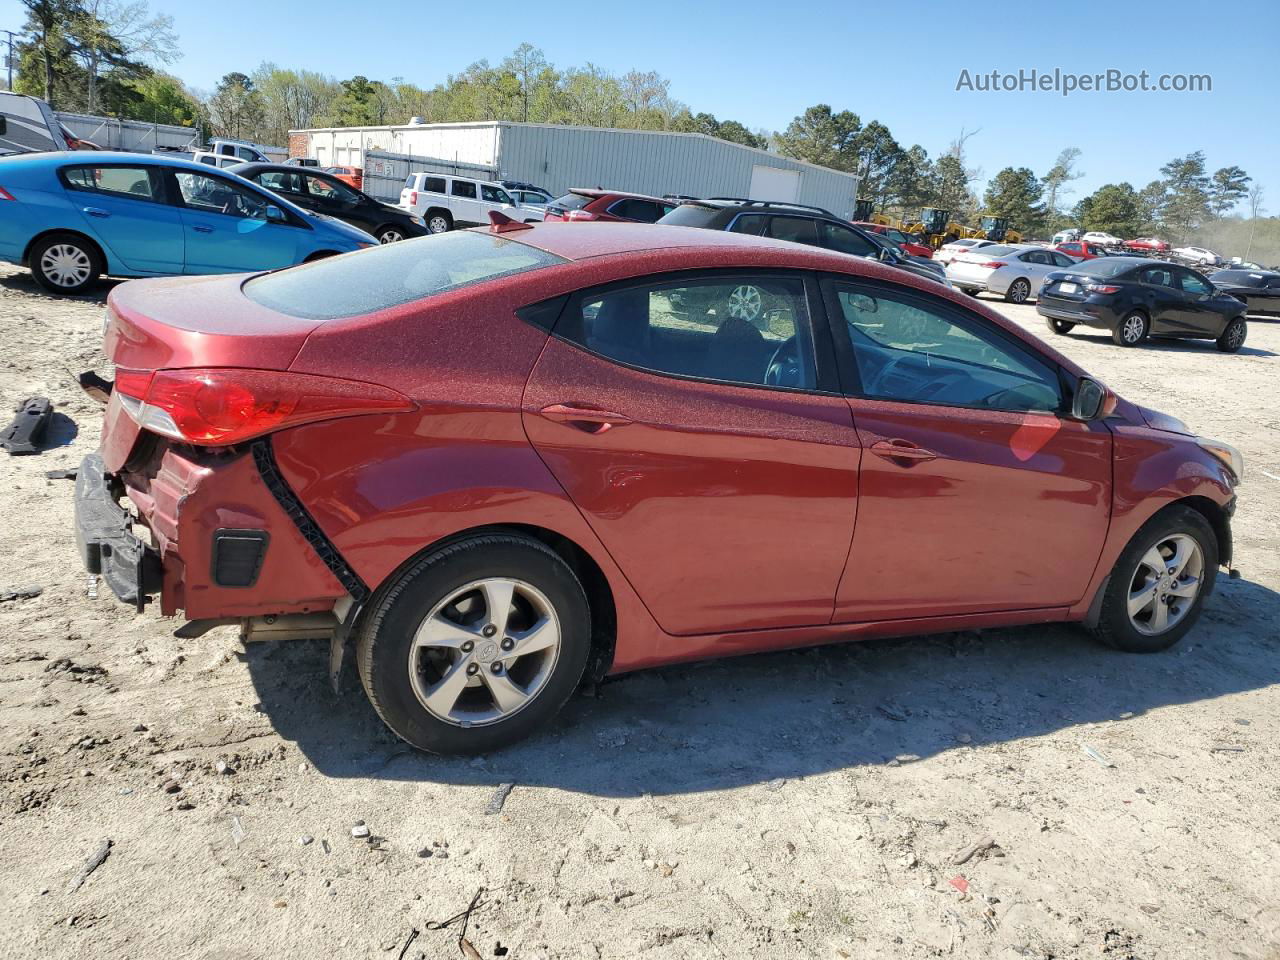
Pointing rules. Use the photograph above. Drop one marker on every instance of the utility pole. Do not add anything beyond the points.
(9, 61)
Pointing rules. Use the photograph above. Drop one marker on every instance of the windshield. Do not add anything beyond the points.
(1106, 266)
(393, 274)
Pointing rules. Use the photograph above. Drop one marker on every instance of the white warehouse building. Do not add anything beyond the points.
(559, 157)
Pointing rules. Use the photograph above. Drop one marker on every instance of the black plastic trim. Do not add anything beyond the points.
(265, 459)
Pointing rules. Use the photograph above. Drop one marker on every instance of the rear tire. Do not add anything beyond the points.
(1132, 330)
(65, 263)
(1232, 338)
(971, 291)
(432, 626)
(1059, 326)
(439, 221)
(1138, 632)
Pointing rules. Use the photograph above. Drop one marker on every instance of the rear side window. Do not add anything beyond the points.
(795, 229)
(393, 274)
(751, 225)
(464, 188)
(133, 182)
(748, 330)
(646, 211)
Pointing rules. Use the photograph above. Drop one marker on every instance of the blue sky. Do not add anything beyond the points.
(764, 62)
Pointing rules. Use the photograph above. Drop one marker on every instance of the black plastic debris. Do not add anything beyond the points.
(28, 426)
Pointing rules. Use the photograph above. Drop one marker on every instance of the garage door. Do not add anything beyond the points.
(775, 183)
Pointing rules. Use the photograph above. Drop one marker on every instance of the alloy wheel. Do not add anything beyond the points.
(438, 225)
(390, 236)
(745, 303)
(1019, 292)
(1235, 335)
(66, 265)
(1166, 584)
(1134, 326)
(484, 652)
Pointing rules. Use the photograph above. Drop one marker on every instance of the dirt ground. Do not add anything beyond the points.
(806, 804)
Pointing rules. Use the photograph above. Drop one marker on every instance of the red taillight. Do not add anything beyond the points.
(221, 407)
(1101, 288)
(993, 264)
(413, 197)
(5, 194)
(580, 215)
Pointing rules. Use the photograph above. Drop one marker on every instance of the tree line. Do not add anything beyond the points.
(108, 57)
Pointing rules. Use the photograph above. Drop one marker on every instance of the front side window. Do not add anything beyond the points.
(334, 190)
(215, 195)
(132, 182)
(843, 240)
(281, 182)
(464, 188)
(746, 330)
(493, 194)
(911, 350)
(1194, 285)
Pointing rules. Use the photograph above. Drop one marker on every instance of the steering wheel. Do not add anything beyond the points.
(878, 381)
(784, 366)
(934, 387)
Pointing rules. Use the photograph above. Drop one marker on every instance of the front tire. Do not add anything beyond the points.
(390, 235)
(1160, 583)
(1019, 291)
(1059, 326)
(476, 645)
(1132, 330)
(1232, 338)
(65, 263)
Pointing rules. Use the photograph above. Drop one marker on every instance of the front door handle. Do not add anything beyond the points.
(901, 450)
(97, 212)
(587, 419)
(201, 228)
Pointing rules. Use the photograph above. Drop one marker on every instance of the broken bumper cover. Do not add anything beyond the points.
(106, 540)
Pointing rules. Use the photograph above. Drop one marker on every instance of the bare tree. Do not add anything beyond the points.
(1256, 193)
(122, 34)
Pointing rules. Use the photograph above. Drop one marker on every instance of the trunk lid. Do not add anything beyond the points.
(178, 322)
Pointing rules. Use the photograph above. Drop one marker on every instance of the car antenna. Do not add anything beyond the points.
(501, 223)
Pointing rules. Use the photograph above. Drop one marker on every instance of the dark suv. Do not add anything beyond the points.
(800, 224)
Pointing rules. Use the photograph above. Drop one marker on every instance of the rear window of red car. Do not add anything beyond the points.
(573, 201)
(393, 274)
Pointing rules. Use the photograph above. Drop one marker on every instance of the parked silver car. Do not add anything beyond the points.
(1015, 271)
(949, 251)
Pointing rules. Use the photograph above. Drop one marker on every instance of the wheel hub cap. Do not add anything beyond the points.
(65, 264)
(1165, 584)
(462, 673)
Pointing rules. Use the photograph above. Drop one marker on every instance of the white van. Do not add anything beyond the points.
(446, 202)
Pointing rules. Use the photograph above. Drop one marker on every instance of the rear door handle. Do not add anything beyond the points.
(587, 419)
(901, 450)
(201, 228)
(97, 212)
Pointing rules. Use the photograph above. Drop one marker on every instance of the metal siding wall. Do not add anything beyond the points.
(559, 158)
(132, 135)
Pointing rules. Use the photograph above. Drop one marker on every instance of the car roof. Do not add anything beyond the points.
(588, 192)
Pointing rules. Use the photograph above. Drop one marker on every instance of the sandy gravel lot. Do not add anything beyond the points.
(750, 808)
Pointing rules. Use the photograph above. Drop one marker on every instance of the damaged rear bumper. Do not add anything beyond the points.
(105, 538)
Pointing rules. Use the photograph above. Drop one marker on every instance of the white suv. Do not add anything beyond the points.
(447, 202)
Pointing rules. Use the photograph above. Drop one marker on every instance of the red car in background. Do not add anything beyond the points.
(1082, 250)
(1148, 245)
(503, 460)
(351, 176)
(904, 240)
(580, 204)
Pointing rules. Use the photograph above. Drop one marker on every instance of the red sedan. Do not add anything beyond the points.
(1082, 250)
(1148, 245)
(904, 240)
(502, 460)
(579, 205)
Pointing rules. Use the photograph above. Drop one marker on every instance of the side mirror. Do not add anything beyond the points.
(1093, 401)
(275, 214)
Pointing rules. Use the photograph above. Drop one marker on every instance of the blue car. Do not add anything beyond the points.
(72, 217)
